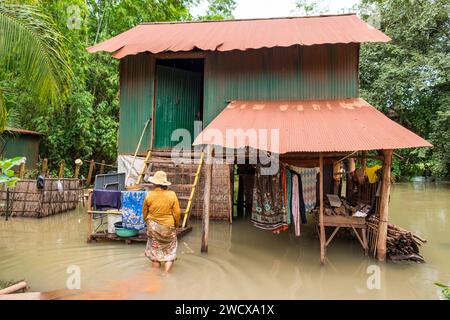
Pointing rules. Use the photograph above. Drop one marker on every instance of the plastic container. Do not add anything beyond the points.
(112, 219)
(124, 233)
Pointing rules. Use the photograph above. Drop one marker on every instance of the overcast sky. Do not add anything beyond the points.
(277, 8)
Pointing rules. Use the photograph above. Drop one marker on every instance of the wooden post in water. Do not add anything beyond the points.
(384, 205)
(61, 168)
(22, 170)
(44, 167)
(207, 198)
(102, 167)
(91, 171)
(321, 225)
(78, 164)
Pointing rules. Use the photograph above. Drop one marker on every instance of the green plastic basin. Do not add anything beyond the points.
(123, 232)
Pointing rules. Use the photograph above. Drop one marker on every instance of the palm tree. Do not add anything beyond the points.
(31, 43)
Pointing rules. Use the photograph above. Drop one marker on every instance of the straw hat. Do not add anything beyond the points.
(160, 178)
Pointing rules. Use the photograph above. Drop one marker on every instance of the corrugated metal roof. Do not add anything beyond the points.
(227, 35)
(23, 131)
(308, 126)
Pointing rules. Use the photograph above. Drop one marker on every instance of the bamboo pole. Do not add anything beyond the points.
(91, 171)
(384, 205)
(44, 167)
(14, 288)
(322, 227)
(102, 167)
(61, 168)
(136, 152)
(207, 198)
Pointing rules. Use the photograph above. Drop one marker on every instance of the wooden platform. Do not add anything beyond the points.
(140, 238)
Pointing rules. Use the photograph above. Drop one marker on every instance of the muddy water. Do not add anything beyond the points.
(243, 262)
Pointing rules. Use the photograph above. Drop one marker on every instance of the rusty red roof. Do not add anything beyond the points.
(23, 131)
(307, 126)
(229, 35)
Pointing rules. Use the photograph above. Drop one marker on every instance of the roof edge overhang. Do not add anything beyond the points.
(308, 126)
(124, 44)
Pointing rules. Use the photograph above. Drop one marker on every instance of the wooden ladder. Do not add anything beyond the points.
(144, 168)
(194, 185)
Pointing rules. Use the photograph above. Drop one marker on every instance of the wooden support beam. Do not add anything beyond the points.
(89, 210)
(44, 167)
(364, 162)
(207, 198)
(22, 170)
(61, 168)
(102, 167)
(78, 164)
(321, 224)
(91, 171)
(384, 205)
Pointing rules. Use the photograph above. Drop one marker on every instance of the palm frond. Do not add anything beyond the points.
(3, 111)
(30, 40)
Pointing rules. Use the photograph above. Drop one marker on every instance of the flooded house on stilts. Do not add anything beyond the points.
(283, 88)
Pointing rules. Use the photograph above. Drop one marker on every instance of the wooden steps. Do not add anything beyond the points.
(183, 175)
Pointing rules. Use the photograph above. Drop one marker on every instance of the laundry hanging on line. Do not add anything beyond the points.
(132, 203)
(309, 182)
(268, 211)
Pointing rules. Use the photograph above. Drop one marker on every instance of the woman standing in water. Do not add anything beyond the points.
(161, 212)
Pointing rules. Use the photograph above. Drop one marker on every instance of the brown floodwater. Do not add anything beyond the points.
(243, 262)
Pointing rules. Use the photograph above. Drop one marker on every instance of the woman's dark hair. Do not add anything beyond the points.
(161, 186)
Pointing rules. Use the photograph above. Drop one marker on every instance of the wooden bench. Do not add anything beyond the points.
(353, 223)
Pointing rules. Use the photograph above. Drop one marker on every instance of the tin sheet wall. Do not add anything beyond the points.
(301, 72)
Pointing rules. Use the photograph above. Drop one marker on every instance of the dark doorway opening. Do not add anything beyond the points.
(178, 101)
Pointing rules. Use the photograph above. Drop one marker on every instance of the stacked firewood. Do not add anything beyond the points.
(345, 209)
(402, 245)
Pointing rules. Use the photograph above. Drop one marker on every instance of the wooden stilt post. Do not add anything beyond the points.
(61, 168)
(102, 167)
(44, 167)
(89, 224)
(207, 198)
(91, 171)
(78, 164)
(322, 227)
(384, 205)
(22, 170)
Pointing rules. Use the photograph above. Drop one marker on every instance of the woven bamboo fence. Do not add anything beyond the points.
(221, 193)
(26, 200)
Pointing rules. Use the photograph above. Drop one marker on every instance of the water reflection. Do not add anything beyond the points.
(243, 262)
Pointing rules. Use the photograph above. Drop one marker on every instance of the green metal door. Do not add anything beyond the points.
(178, 104)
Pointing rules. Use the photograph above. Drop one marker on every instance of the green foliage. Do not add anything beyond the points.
(40, 54)
(408, 78)
(445, 290)
(308, 7)
(219, 9)
(6, 173)
(86, 126)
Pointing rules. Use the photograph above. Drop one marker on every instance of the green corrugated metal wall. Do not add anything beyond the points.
(136, 100)
(178, 100)
(302, 72)
(20, 145)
